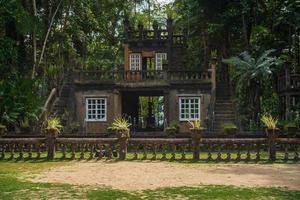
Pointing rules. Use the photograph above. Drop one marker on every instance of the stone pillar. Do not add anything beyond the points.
(196, 135)
(272, 135)
(50, 141)
(123, 148)
(196, 149)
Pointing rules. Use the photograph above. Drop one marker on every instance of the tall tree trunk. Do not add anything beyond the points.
(34, 40)
(48, 32)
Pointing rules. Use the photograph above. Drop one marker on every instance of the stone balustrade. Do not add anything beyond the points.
(205, 149)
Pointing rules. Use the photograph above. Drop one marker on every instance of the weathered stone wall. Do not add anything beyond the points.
(113, 109)
(173, 105)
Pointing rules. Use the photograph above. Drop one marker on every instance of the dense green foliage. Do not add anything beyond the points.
(40, 40)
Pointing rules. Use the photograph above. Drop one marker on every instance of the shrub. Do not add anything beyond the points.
(269, 121)
(54, 123)
(120, 124)
(229, 126)
(196, 124)
(172, 129)
(74, 126)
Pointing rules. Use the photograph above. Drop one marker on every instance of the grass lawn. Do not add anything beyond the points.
(13, 187)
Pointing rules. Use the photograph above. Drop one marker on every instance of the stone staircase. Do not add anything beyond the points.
(224, 107)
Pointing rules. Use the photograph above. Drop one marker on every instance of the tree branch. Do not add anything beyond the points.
(48, 32)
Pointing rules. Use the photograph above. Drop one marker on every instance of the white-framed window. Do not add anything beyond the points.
(135, 61)
(96, 109)
(159, 57)
(189, 108)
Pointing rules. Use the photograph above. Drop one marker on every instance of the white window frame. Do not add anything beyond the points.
(96, 119)
(135, 61)
(189, 118)
(159, 58)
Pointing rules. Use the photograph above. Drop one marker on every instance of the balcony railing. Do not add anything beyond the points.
(142, 75)
(292, 81)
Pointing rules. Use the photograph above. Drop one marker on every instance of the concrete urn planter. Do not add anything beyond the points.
(197, 133)
(272, 133)
(52, 133)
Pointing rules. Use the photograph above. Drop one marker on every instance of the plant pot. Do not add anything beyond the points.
(52, 132)
(291, 131)
(171, 132)
(123, 134)
(197, 133)
(272, 133)
(230, 132)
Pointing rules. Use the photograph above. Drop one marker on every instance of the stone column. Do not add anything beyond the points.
(272, 135)
(50, 141)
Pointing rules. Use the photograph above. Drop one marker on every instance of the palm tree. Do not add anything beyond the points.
(251, 77)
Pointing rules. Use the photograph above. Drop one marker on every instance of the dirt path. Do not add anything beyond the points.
(150, 175)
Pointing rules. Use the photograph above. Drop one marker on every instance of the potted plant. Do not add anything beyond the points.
(230, 129)
(24, 126)
(271, 124)
(172, 129)
(196, 129)
(2, 130)
(74, 126)
(291, 128)
(53, 127)
(120, 127)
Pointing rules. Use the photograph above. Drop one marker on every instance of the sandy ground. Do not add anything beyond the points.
(150, 175)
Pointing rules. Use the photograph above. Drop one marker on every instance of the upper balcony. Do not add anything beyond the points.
(288, 81)
(156, 36)
(142, 77)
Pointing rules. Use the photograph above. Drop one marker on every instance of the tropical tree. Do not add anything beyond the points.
(252, 77)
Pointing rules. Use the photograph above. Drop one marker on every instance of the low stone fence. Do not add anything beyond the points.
(205, 149)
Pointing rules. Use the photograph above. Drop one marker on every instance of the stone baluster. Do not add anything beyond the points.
(228, 154)
(144, 152)
(30, 151)
(110, 149)
(219, 154)
(38, 151)
(209, 155)
(91, 156)
(2, 151)
(135, 154)
(238, 155)
(11, 148)
(257, 158)
(164, 154)
(81, 147)
(183, 152)
(99, 146)
(286, 152)
(154, 151)
(64, 150)
(173, 152)
(248, 155)
(296, 155)
(21, 151)
(72, 151)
